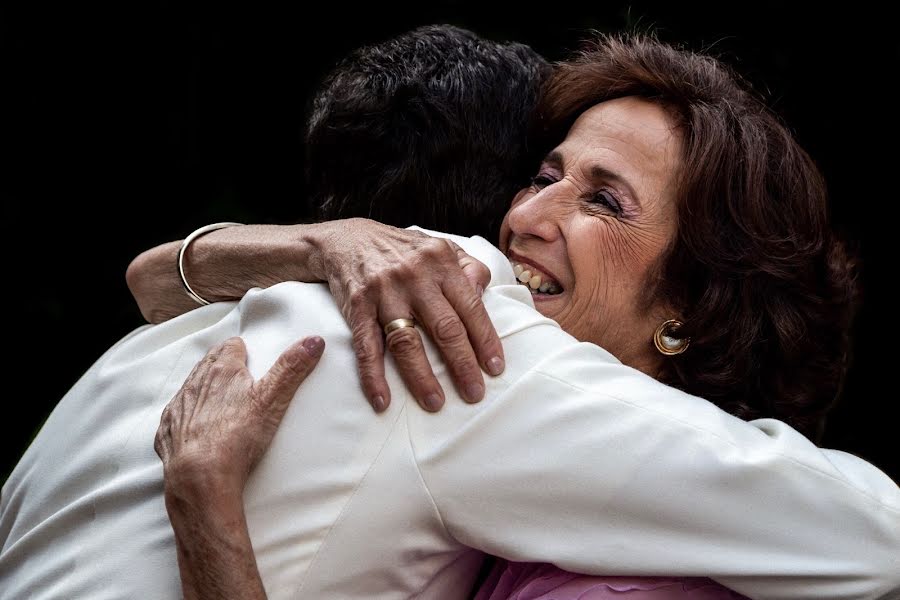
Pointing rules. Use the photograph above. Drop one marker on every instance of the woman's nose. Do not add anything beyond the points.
(534, 216)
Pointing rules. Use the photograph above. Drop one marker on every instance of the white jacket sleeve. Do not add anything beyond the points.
(590, 465)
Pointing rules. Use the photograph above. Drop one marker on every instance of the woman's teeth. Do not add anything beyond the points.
(531, 277)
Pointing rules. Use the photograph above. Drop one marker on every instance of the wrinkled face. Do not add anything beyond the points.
(590, 230)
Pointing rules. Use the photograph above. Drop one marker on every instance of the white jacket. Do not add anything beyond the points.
(572, 458)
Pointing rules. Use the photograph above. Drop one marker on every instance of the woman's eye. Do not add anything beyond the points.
(607, 200)
(541, 181)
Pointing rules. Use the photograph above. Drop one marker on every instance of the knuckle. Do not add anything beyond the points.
(364, 349)
(403, 342)
(214, 352)
(217, 370)
(297, 366)
(232, 344)
(472, 307)
(402, 272)
(437, 248)
(449, 330)
(473, 304)
(376, 284)
(357, 299)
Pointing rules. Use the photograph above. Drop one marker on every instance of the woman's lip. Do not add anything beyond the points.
(540, 298)
(518, 257)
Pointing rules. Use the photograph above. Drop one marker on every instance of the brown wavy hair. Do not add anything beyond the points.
(765, 289)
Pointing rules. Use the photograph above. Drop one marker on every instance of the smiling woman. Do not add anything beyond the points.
(673, 206)
(729, 231)
(599, 216)
(189, 114)
(584, 453)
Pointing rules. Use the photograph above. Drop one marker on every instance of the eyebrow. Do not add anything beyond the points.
(555, 157)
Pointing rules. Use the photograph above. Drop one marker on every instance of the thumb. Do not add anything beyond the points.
(279, 385)
(475, 271)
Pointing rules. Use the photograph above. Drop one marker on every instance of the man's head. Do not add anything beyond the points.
(429, 128)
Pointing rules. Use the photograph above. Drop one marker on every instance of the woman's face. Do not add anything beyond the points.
(594, 223)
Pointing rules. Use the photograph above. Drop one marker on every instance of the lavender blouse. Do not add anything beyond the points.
(532, 581)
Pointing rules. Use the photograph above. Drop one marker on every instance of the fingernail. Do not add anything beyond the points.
(495, 365)
(433, 402)
(378, 404)
(474, 392)
(314, 346)
(479, 289)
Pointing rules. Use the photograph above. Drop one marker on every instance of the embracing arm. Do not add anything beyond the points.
(592, 466)
(223, 265)
(210, 437)
(376, 274)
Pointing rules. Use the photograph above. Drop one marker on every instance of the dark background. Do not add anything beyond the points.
(125, 126)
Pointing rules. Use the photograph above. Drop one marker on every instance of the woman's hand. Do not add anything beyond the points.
(221, 422)
(210, 436)
(379, 273)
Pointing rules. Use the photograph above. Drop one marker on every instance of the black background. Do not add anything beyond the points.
(132, 124)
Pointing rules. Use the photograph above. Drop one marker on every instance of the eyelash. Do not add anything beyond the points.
(541, 181)
(604, 198)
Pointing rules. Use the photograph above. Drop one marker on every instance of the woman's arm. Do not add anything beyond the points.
(376, 274)
(215, 556)
(210, 437)
(223, 265)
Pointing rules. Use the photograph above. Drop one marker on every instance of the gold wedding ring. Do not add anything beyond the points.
(398, 324)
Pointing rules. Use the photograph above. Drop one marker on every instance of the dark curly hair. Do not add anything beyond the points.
(766, 291)
(428, 128)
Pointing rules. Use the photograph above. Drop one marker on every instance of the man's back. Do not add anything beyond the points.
(336, 508)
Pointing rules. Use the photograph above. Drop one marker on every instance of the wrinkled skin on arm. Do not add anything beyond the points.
(376, 273)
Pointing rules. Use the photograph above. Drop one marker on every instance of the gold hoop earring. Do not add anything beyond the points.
(667, 344)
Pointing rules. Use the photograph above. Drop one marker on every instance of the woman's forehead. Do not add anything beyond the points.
(637, 130)
(631, 137)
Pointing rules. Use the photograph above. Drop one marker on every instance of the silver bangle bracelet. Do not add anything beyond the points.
(181, 252)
